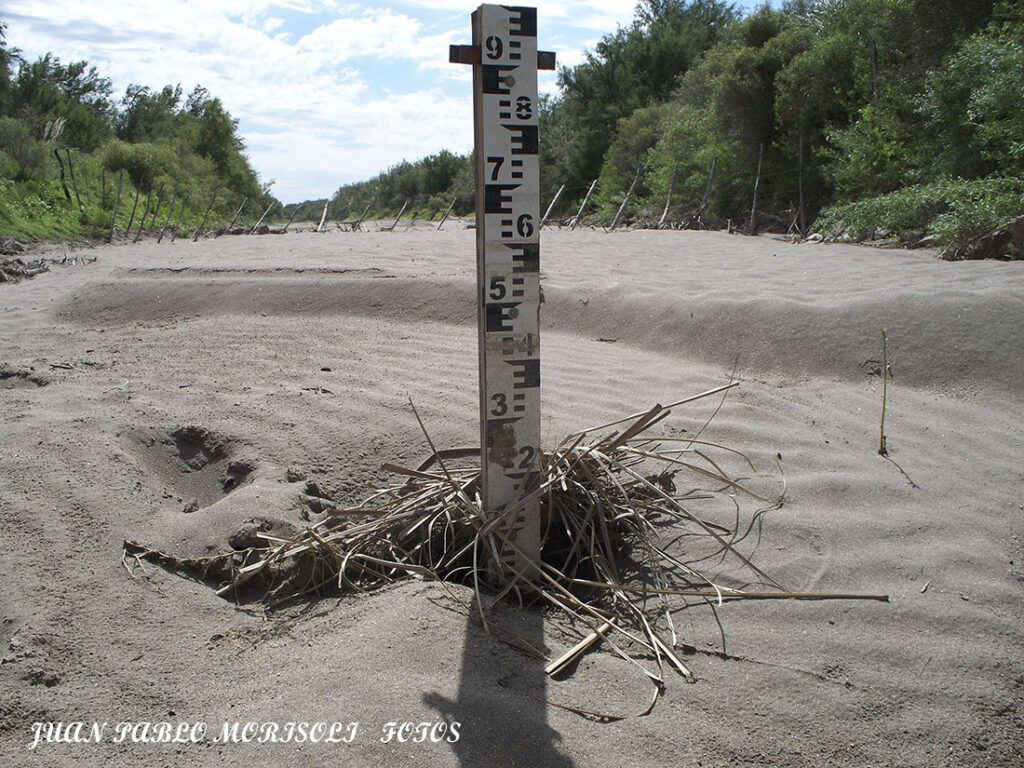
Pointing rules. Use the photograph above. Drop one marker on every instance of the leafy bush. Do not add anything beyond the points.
(973, 108)
(21, 156)
(951, 211)
(143, 163)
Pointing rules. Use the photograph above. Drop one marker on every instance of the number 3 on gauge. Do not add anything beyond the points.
(500, 404)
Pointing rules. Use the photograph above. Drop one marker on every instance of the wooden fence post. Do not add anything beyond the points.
(800, 186)
(445, 217)
(135, 206)
(752, 228)
(359, 223)
(398, 219)
(579, 214)
(323, 217)
(142, 221)
(698, 217)
(237, 214)
(202, 226)
(260, 221)
(74, 183)
(625, 200)
(174, 197)
(707, 189)
(159, 199)
(85, 180)
(668, 200)
(181, 216)
(63, 183)
(291, 218)
(256, 225)
(117, 205)
(554, 200)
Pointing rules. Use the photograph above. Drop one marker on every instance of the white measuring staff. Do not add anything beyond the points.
(505, 62)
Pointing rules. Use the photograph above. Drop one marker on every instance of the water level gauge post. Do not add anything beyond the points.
(505, 62)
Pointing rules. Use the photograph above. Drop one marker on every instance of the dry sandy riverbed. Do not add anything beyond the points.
(264, 359)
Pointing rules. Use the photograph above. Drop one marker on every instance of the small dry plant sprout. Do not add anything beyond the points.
(886, 373)
(623, 548)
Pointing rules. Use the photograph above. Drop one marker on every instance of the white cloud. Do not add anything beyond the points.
(327, 91)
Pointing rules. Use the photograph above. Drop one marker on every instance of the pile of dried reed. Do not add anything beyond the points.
(620, 547)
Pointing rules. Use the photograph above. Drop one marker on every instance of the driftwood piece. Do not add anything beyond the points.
(323, 218)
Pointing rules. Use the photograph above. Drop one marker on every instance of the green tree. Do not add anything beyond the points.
(148, 115)
(215, 136)
(728, 110)
(45, 90)
(8, 58)
(972, 109)
(632, 68)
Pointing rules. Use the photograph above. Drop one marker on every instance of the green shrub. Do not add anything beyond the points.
(951, 211)
(21, 156)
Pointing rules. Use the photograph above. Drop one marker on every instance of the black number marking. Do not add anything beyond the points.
(498, 289)
(524, 226)
(494, 47)
(524, 108)
(498, 162)
(528, 452)
(500, 404)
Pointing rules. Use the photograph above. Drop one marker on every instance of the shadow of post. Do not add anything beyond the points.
(501, 706)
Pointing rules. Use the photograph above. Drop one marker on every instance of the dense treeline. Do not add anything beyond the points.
(898, 116)
(863, 117)
(66, 143)
(867, 117)
(429, 186)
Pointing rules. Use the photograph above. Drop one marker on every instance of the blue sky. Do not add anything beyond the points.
(326, 91)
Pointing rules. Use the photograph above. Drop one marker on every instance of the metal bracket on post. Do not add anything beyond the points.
(505, 61)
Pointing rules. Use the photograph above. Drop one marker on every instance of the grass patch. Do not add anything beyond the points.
(36, 211)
